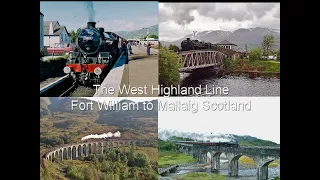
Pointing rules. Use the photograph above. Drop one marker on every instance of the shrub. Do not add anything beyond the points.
(168, 67)
(255, 54)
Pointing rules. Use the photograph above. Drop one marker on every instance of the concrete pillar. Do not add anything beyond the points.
(262, 172)
(85, 150)
(80, 151)
(215, 162)
(76, 153)
(262, 166)
(61, 154)
(233, 167)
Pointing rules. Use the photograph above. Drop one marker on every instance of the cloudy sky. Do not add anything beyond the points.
(113, 16)
(179, 19)
(263, 121)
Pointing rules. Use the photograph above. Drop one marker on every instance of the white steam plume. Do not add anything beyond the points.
(165, 134)
(101, 136)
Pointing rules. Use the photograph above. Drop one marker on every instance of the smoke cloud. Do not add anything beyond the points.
(102, 136)
(90, 10)
(182, 13)
(165, 134)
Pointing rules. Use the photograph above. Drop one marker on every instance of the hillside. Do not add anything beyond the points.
(133, 34)
(252, 37)
(59, 125)
(44, 110)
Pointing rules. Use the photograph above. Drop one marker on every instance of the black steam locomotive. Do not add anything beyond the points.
(187, 45)
(218, 144)
(95, 53)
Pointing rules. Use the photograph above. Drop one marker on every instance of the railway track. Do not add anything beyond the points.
(63, 87)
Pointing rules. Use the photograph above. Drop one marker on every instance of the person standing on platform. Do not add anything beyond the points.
(129, 48)
(148, 49)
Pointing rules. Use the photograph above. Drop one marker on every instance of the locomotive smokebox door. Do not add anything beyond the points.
(104, 57)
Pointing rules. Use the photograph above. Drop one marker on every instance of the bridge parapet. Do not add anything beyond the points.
(270, 151)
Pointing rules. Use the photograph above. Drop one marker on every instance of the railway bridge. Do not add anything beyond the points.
(76, 150)
(195, 59)
(262, 156)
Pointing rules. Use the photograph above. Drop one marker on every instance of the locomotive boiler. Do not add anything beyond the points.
(94, 55)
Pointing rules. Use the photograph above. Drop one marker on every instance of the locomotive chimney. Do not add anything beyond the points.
(91, 24)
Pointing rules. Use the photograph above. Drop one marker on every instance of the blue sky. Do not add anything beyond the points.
(113, 16)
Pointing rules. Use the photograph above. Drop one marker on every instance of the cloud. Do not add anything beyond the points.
(125, 24)
(179, 19)
(277, 13)
(117, 25)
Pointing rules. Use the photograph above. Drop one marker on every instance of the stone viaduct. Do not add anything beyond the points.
(76, 150)
(262, 156)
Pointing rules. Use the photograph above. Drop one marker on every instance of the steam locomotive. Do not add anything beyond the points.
(218, 144)
(187, 45)
(95, 53)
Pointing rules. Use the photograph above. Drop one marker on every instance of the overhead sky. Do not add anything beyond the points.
(113, 16)
(179, 19)
(263, 121)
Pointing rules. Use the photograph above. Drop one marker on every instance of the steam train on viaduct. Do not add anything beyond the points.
(187, 45)
(218, 144)
(95, 53)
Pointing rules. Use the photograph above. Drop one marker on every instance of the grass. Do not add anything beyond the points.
(55, 58)
(274, 163)
(244, 160)
(202, 176)
(150, 151)
(257, 65)
(171, 158)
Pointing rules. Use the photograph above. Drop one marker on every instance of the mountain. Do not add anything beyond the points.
(134, 118)
(44, 110)
(252, 37)
(61, 125)
(136, 33)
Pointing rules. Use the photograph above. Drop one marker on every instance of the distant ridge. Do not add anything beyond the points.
(251, 37)
(136, 33)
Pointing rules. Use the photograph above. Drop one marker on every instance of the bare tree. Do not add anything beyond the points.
(267, 43)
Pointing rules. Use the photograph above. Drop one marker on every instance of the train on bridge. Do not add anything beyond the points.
(188, 44)
(95, 53)
(218, 144)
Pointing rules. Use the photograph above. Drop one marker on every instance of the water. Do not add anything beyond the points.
(237, 85)
(244, 174)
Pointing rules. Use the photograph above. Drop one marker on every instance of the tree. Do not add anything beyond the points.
(74, 35)
(278, 54)
(168, 67)
(174, 48)
(255, 54)
(154, 36)
(267, 44)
